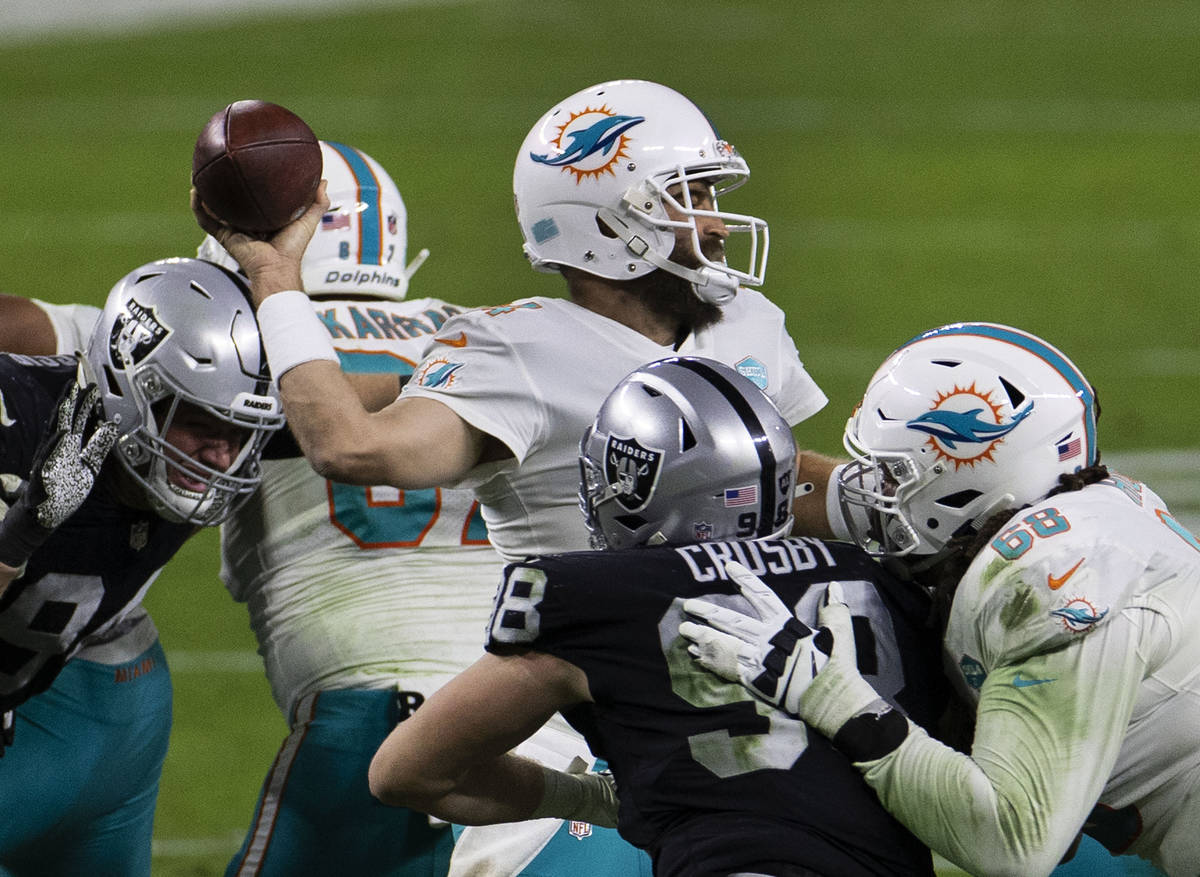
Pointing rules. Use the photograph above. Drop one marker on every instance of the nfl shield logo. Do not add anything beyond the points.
(579, 830)
(139, 535)
(632, 470)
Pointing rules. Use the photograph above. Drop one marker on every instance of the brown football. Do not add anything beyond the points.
(256, 166)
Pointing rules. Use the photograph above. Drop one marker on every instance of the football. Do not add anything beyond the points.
(256, 166)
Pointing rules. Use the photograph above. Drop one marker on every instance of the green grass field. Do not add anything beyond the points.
(919, 163)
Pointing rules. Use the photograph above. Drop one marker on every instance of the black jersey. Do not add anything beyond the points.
(92, 570)
(711, 781)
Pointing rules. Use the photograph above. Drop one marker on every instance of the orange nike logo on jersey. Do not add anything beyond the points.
(1054, 582)
(460, 341)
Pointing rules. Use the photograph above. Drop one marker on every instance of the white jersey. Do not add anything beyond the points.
(362, 587)
(534, 373)
(135, 632)
(1076, 631)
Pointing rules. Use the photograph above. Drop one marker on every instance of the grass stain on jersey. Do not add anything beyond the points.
(994, 567)
(1020, 608)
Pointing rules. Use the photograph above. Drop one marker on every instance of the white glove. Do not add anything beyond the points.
(839, 692)
(812, 675)
(840, 703)
(774, 655)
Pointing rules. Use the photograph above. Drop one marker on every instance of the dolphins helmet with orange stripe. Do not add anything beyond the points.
(960, 422)
(361, 244)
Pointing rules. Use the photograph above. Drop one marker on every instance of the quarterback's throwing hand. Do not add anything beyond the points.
(774, 656)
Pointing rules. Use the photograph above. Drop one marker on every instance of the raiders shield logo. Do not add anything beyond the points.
(632, 470)
(135, 334)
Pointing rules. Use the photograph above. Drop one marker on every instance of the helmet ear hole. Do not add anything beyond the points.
(631, 522)
(1015, 396)
(687, 438)
(114, 388)
(604, 229)
(959, 500)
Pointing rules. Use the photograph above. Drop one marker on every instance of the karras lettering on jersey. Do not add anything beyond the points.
(383, 323)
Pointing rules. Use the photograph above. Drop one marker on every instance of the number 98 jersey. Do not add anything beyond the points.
(710, 780)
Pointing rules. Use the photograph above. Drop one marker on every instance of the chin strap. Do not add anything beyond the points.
(713, 287)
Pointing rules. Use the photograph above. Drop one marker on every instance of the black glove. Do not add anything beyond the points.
(64, 470)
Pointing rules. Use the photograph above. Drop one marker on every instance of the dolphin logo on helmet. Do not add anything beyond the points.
(597, 137)
(965, 426)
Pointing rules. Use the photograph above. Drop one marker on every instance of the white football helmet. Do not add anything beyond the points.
(960, 422)
(361, 244)
(611, 153)
(183, 331)
(686, 450)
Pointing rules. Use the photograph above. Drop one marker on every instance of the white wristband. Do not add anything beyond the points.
(292, 333)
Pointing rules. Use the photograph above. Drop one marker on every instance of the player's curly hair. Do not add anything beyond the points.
(962, 548)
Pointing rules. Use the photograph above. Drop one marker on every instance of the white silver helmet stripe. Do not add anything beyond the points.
(758, 435)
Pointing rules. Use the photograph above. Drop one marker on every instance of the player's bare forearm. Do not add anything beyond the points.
(25, 327)
(410, 444)
(375, 391)
(504, 789)
(812, 483)
(451, 758)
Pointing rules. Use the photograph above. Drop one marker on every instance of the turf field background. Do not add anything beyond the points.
(919, 163)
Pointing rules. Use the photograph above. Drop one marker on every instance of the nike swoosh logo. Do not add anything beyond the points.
(1020, 681)
(1054, 582)
(5, 420)
(460, 341)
